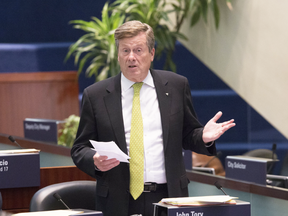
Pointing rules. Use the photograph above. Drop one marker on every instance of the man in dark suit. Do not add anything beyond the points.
(168, 124)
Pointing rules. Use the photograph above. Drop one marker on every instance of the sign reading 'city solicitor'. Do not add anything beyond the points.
(247, 168)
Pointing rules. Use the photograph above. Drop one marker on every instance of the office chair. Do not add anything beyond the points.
(284, 168)
(203, 161)
(263, 153)
(75, 194)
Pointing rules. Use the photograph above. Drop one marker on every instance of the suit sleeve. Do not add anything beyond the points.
(81, 152)
(193, 130)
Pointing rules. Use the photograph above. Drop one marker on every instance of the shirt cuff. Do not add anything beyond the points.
(96, 168)
(209, 144)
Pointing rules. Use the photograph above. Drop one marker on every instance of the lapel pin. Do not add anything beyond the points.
(167, 93)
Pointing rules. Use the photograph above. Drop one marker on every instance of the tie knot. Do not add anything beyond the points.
(137, 87)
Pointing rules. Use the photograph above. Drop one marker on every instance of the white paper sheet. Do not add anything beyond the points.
(199, 200)
(52, 212)
(110, 149)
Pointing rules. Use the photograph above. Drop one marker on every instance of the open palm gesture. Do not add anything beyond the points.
(213, 130)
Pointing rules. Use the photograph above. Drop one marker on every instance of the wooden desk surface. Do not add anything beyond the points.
(274, 192)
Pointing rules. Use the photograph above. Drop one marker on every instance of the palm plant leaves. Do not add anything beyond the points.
(96, 49)
(97, 45)
(201, 7)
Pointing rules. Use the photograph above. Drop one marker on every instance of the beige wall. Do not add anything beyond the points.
(249, 52)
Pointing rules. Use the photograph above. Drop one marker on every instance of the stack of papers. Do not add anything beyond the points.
(52, 212)
(19, 151)
(110, 149)
(199, 200)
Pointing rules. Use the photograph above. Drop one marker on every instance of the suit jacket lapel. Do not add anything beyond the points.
(164, 99)
(114, 108)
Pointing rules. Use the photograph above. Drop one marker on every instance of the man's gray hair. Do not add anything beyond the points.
(132, 29)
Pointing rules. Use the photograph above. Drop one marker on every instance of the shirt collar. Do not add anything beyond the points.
(126, 83)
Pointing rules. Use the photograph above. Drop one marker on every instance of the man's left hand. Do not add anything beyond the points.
(213, 130)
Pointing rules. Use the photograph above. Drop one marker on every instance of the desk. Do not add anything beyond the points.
(18, 199)
(274, 192)
(264, 200)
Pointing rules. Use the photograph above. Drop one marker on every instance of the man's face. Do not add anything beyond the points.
(134, 57)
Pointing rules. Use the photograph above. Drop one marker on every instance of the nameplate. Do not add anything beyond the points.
(45, 130)
(239, 209)
(19, 170)
(245, 168)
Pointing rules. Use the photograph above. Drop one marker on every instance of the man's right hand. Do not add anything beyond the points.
(104, 164)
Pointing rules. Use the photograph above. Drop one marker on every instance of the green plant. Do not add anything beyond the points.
(195, 9)
(69, 130)
(98, 45)
(156, 13)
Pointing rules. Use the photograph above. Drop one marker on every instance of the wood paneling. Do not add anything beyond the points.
(38, 77)
(48, 95)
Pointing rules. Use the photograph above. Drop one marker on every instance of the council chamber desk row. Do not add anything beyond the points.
(264, 200)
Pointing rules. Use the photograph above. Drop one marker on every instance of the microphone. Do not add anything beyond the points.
(274, 146)
(219, 153)
(11, 138)
(58, 197)
(273, 150)
(220, 187)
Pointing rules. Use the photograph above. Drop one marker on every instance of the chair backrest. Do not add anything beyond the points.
(204, 161)
(76, 194)
(284, 168)
(263, 153)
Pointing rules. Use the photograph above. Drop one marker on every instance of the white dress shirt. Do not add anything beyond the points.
(154, 165)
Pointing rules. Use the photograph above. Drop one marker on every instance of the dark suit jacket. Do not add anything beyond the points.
(101, 120)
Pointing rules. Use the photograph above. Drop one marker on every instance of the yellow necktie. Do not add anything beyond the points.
(136, 150)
